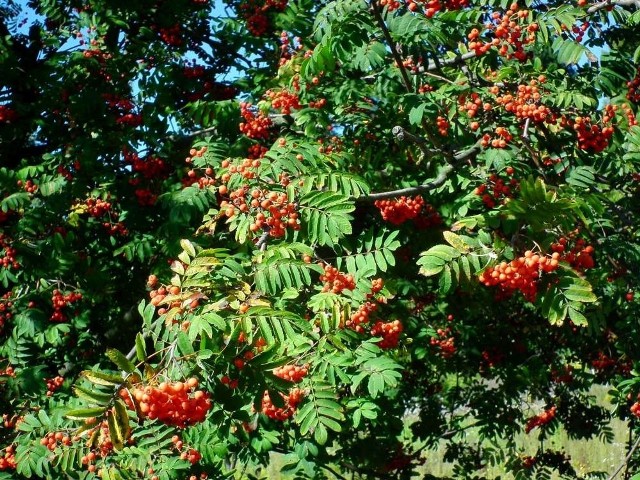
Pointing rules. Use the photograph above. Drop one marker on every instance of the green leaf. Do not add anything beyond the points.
(84, 413)
(121, 361)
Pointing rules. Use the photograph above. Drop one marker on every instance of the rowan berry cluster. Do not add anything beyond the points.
(53, 384)
(472, 103)
(431, 7)
(8, 258)
(103, 445)
(291, 373)
(501, 140)
(291, 402)
(579, 31)
(428, 218)
(633, 86)
(150, 167)
(336, 281)
(603, 362)
(283, 100)
(60, 301)
(254, 12)
(54, 439)
(271, 211)
(190, 454)
(444, 343)
(520, 274)
(397, 211)
(443, 126)
(8, 372)
(28, 186)
(579, 255)
(491, 358)
(361, 316)
(5, 310)
(563, 376)
(497, 190)
(525, 103)
(591, 136)
(7, 114)
(171, 35)
(11, 421)
(540, 420)
(389, 332)
(511, 34)
(256, 124)
(8, 458)
(178, 404)
(96, 207)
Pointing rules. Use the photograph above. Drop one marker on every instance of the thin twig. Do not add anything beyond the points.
(626, 459)
(394, 47)
(446, 62)
(609, 3)
(173, 138)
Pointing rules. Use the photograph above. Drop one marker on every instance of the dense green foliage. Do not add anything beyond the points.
(346, 231)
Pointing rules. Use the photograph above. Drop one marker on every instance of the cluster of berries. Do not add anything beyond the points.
(171, 35)
(291, 373)
(7, 114)
(397, 211)
(511, 33)
(525, 103)
(283, 100)
(8, 458)
(389, 332)
(256, 124)
(60, 301)
(190, 454)
(520, 274)
(591, 136)
(102, 445)
(54, 439)
(149, 167)
(28, 186)
(336, 281)
(443, 126)
(254, 12)
(579, 256)
(540, 420)
(501, 140)
(291, 402)
(497, 189)
(177, 404)
(8, 258)
(472, 103)
(271, 211)
(53, 384)
(444, 343)
(361, 316)
(5, 310)
(428, 7)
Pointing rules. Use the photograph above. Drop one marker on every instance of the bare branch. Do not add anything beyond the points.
(197, 133)
(447, 62)
(424, 188)
(375, 8)
(609, 3)
(626, 459)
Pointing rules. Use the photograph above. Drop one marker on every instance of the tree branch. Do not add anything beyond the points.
(446, 62)
(394, 47)
(610, 3)
(197, 133)
(626, 459)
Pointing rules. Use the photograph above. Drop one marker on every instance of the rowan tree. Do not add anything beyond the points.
(344, 231)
